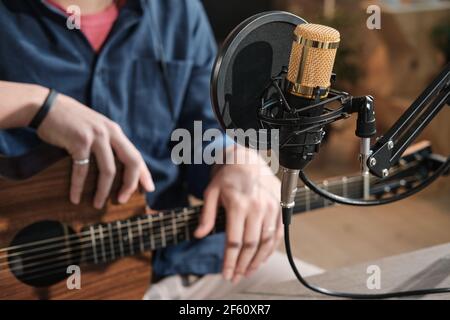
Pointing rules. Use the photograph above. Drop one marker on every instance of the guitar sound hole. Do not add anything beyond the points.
(41, 252)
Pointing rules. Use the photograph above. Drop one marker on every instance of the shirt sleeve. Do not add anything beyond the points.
(197, 102)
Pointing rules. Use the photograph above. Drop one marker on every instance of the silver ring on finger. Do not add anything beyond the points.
(82, 162)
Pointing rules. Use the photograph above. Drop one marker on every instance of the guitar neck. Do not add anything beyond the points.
(143, 233)
(306, 200)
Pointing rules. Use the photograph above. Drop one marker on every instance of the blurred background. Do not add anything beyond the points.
(393, 64)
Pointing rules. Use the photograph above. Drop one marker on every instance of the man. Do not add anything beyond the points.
(112, 100)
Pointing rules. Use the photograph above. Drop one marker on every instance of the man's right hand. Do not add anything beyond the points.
(82, 131)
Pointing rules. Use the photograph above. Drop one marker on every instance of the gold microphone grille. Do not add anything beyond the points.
(312, 59)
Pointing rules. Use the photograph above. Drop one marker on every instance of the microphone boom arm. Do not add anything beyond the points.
(390, 147)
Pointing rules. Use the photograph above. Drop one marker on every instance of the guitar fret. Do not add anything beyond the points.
(111, 242)
(186, 223)
(102, 242)
(308, 198)
(174, 227)
(177, 220)
(326, 202)
(162, 228)
(119, 231)
(141, 242)
(345, 186)
(67, 243)
(103, 236)
(130, 237)
(150, 226)
(94, 249)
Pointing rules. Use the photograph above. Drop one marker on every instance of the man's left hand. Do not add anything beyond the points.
(250, 195)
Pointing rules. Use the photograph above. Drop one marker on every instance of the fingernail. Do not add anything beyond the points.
(250, 272)
(198, 231)
(227, 274)
(98, 205)
(149, 185)
(237, 278)
(123, 198)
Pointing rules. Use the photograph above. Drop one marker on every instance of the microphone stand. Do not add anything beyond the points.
(378, 160)
(365, 172)
(391, 146)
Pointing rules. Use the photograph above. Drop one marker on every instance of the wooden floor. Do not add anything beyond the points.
(343, 235)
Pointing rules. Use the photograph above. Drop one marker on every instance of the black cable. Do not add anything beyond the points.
(375, 202)
(346, 294)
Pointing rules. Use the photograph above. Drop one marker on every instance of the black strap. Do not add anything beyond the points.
(43, 111)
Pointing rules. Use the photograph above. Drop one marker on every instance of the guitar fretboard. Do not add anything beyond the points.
(111, 241)
(307, 200)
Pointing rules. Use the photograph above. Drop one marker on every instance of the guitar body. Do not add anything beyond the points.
(45, 197)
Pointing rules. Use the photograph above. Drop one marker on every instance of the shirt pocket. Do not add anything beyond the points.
(151, 117)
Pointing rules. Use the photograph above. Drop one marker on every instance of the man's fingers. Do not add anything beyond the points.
(252, 235)
(267, 241)
(146, 179)
(235, 229)
(278, 237)
(209, 212)
(79, 174)
(107, 167)
(135, 170)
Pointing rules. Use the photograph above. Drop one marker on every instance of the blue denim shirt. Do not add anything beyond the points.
(124, 83)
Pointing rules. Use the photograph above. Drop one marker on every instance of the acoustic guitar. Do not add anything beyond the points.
(42, 234)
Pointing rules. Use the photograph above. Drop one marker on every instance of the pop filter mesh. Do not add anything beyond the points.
(254, 52)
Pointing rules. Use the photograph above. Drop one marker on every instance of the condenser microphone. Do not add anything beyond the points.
(250, 88)
(264, 80)
(308, 82)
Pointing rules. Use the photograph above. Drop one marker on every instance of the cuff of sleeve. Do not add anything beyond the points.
(199, 174)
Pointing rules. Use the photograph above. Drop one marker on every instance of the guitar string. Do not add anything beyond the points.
(144, 219)
(86, 236)
(88, 242)
(92, 256)
(329, 186)
(163, 216)
(52, 269)
(157, 242)
(299, 198)
(50, 265)
(156, 217)
(106, 234)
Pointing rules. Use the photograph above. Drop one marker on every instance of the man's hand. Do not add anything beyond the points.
(250, 195)
(82, 131)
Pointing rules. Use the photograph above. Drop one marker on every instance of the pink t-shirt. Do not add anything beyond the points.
(96, 27)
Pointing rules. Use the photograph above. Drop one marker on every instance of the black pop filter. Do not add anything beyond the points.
(254, 52)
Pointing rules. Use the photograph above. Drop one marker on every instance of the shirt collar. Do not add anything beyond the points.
(137, 5)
